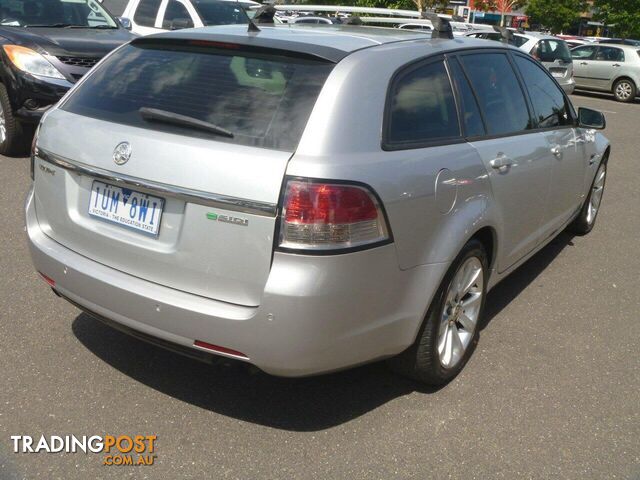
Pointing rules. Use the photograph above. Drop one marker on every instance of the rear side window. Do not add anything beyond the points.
(176, 16)
(421, 108)
(551, 50)
(519, 40)
(498, 91)
(263, 100)
(147, 12)
(471, 117)
(549, 103)
(610, 54)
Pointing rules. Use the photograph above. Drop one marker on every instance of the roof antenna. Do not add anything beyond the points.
(505, 33)
(251, 27)
(441, 26)
(264, 15)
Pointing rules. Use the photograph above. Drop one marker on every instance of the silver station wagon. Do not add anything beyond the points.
(307, 199)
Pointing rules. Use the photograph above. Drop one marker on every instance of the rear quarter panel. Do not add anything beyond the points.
(343, 140)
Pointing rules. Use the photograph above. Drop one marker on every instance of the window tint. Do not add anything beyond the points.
(147, 12)
(116, 7)
(498, 91)
(81, 13)
(422, 107)
(551, 50)
(221, 12)
(549, 103)
(584, 53)
(176, 16)
(265, 101)
(518, 40)
(472, 119)
(610, 54)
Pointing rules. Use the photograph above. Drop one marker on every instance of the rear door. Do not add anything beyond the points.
(607, 64)
(583, 61)
(516, 158)
(554, 118)
(185, 207)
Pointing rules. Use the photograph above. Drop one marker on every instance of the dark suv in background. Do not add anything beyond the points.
(46, 47)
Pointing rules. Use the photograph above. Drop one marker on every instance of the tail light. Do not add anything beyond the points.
(319, 216)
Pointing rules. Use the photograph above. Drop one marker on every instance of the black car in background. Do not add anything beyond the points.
(45, 47)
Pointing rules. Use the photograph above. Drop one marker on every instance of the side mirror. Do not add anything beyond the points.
(588, 118)
(125, 22)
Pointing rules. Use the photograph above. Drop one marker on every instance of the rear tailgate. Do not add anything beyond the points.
(217, 196)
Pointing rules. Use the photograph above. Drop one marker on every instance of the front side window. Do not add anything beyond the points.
(220, 12)
(260, 100)
(176, 16)
(421, 107)
(584, 53)
(55, 14)
(549, 103)
(498, 91)
(610, 54)
(147, 12)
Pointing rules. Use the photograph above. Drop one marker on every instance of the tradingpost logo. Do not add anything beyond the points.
(118, 450)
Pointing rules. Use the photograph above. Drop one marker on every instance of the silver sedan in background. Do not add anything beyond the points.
(611, 68)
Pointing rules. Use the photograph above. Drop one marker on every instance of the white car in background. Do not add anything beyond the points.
(154, 16)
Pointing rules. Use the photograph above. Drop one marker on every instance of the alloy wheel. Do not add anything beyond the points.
(461, 312)
(624, 90)
(595, 197)
(3, 126)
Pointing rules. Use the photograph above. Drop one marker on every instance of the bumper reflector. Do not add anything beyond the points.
(218, 349)
(50, 281)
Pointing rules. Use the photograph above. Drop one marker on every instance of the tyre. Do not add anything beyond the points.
(450, 330)
(586, 219)
(13, 136)
(625, 90)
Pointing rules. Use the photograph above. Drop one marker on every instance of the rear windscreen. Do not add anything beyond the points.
(552, 50)
(263, 100)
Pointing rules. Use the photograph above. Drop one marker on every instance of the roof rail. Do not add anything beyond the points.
(441, 26)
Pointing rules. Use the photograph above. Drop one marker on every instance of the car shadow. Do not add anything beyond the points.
(505, 292)
(308, 404)
(601, 95)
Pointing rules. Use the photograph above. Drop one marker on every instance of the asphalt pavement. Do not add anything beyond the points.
(552, 391)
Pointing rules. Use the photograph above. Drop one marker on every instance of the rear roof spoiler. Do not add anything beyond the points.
(239, 43)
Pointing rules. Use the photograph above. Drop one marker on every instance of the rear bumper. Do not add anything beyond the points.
(317, 314)
(569, 86)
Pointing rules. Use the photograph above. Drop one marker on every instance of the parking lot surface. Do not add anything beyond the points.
(552, 391)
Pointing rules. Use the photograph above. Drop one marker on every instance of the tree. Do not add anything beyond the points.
(556, 15)
(502, 6)
(622, 15)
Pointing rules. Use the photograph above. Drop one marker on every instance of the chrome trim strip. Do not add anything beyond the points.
(199, 197)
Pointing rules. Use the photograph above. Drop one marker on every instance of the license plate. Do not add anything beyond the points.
(126, 208)
(558, 74)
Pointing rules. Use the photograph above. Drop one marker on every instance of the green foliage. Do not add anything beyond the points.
(624, 14)
(556, 15)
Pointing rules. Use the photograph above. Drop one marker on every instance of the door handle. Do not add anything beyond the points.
(584, 63)
(557, 151)
(501, 163)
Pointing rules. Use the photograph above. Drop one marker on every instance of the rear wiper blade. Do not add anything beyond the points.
(171, 118)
